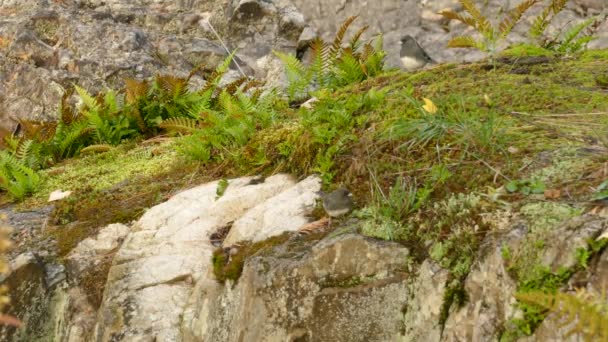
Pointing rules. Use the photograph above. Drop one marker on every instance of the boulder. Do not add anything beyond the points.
(345, 288)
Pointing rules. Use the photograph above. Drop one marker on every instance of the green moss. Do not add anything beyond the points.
(229, 266)
(526, 50)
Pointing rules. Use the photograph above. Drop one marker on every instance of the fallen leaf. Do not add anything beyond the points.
(429, 106)
(58, 195)
(553, 193)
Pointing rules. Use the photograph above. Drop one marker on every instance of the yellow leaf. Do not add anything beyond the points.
(429, 106)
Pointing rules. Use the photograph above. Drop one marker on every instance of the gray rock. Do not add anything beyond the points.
(97, 44)
(347, 288)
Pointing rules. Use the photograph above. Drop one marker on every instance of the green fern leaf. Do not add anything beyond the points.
(89, 101)
(513, 17)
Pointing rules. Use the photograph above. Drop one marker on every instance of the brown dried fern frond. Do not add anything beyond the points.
(135, 90)
(464, 42)
(336, 46)
(233, 86)
(180, 125)
(355, 40)
(172, 85)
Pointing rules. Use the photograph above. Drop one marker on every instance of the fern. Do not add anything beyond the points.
(513, 16)
(490, 35)
(332, 64)
(194, 147)
(298, 77)
(16, 178)
(542, 21)
(569, 43)
(586, 311)
(180, 125)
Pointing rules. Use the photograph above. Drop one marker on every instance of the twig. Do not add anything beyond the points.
(208, 25)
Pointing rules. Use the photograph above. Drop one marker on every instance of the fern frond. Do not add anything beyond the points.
(467, 20)
(297, 75)
(171, 85)
(135, 90)
(99, 148)
(354, 41)
(214, 79)
(566, 43)
(320, 65)
(180, 125)
(66, 114)
(513, 17)
(87, 99)
(482, 24)
(233, 86)
(541, 22)
(464, 42)
(252, 83)
(336, 46)
(348, 68)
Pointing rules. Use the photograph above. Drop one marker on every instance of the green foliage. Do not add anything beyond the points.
(526, 186)
(586, 312)
(16, 178)
(490, 35)
(386, 217)
(453, 127)
(333, 65)
(574, 39)
(109, 124)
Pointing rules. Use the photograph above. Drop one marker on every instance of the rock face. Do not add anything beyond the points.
(45, 46)
(154, 280)
(168, 252)
(347, 288)
(420, 19)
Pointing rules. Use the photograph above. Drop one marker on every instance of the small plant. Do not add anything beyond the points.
(333, 65)
(571, 41)
(16, 178)
(526, 186)
(490, 35)
(387, 217)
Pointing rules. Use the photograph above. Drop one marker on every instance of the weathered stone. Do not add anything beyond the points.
(423, 310)
(347, 288)
(167, 251)
(285, 212)
(46, 46)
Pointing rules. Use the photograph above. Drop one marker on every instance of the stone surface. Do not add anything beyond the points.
(285, 212)
(420, 19)
(347, 288)
(489, 286)
(168, 251)
(422, 313)
(45, 46)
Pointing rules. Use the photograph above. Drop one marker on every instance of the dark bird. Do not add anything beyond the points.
(413, 56)
(337, 203)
